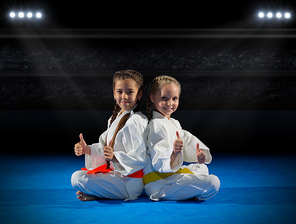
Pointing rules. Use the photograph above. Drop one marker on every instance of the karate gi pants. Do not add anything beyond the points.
(183, 186)
(110, 185)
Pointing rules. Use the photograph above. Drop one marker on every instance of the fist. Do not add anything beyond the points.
(178, 144)
(200, 155)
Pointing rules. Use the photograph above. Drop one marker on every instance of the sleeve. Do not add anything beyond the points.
(96, 158)
(161, 149)
(130, 146)
(189, 148)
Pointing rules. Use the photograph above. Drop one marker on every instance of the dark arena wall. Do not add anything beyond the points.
(236, 92)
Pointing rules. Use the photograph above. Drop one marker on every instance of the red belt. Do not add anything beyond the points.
(104, 169)
(99, 169)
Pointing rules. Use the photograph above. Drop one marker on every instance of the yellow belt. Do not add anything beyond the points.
(154, 176)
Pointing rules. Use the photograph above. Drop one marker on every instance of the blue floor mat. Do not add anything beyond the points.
(253, 190)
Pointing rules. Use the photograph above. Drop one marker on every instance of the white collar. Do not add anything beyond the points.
(158, 115)
(127, 111)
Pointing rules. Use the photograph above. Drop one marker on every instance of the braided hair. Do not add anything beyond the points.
(155, 85)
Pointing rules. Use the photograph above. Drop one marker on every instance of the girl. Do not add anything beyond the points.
(114, 166)
(168, 146)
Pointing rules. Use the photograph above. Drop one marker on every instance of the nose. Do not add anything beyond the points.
(124, 96)
(170, 102)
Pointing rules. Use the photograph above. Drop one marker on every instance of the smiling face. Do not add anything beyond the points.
(166, 99)
(126, 93)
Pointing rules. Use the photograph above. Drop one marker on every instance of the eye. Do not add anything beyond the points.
(163, 98)
(175, 98)
(119, 91)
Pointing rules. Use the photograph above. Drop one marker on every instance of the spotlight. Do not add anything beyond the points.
(261, 15)
(38, 15)
(269, 15)
(12, 15)
(29, 15)
(287, 15)
(21, 15)
(279, 15)
(272, 15)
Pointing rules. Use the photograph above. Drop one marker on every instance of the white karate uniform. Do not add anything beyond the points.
(129, 157)
(180, 186)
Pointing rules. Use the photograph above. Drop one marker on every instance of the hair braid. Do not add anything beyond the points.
(115, 112)
(149, 104)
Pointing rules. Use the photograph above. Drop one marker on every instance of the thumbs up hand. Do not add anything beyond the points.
(201, 156)
(81, 147)
(108, 151)
(178, 144)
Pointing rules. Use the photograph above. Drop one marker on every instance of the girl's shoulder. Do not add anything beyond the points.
(138, 119)
(177, 123)
(138, 116)
(173, 120)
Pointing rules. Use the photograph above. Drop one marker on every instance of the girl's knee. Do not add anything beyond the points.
(214, 187)
(75, 177)
(215, 182)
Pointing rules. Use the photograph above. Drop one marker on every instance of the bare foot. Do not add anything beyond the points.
(86, 197)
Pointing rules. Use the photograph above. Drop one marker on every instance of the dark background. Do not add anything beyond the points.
(90, 14)
(237, 73)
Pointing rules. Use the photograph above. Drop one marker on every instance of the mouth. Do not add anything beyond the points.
(168, 109)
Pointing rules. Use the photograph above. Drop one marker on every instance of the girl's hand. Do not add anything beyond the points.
(201, 156)
(177, 148)
(108, 151)
(178, 144)
(81, 147)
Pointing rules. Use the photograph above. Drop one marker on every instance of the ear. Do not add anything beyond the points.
(152, 97)
(140, 94)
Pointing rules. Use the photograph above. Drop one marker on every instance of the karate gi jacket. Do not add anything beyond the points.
(161, 136)
(129, 147)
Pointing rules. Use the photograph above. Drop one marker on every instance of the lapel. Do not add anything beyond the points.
(113, 126)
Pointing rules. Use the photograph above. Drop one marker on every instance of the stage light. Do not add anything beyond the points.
(261, 15)
(273, 14)
(21, 15)
(12, 15)
(287, 15)
(29, 15)
(38, 15)
(279, 15)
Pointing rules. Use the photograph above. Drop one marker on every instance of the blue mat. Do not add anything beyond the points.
(253, 190)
